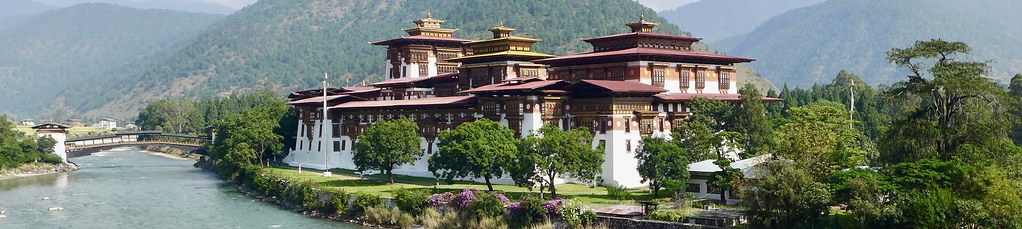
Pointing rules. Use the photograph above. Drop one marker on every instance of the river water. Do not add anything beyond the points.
(128, 188)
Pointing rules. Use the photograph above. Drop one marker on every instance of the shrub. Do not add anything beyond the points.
(441, 199)
(554, 207)
(339, 200)
(363, 202)
(527, 212)
(486, 204)
(577, 216)
(617, 192)
(381, 215)
(486, 222)
(464, 199)
(432, 218)
(668, 216)
(412, 201)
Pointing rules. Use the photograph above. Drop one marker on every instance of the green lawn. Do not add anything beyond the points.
(377, 184)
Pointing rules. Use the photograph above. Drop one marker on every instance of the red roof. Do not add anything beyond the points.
(410, 103)
(421, 39)
(680, 56)
(638, 34)
(406, 80)
(508, 87)
(316, 99)
(619, 86)
(681, 97)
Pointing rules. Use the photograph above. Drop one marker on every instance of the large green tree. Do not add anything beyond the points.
(552, 152)
(387, 144)
(479, 149)
(790, 195)
(958, 103)
(247, 138)
(750, 119)
(662, 164)
(1015, 89)
(818, 137)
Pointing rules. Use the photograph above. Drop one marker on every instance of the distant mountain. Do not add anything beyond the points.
(13, 12)
(287, 45)
(56, 51)
(176, 5)
(811, 45)
(719, 19)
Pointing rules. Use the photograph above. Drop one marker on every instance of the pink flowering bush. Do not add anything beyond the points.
(464, 199)
(554, 207)
(441, 199)
(503, 199)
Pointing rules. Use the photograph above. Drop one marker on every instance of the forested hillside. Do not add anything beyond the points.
(808, 45)
(286, 45)
(719, 19)
(57, 51)
(16, 11)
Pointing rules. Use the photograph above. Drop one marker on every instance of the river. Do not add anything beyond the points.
(129, 188)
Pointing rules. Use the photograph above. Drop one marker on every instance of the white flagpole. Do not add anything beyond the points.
(326, 131)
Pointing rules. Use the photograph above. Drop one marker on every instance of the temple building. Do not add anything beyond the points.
(631, 85)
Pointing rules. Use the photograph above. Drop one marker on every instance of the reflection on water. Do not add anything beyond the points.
(127, 188)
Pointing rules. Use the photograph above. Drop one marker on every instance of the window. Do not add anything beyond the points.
(599, 75)
(683, 80)
(618, 75)
(700, 80)
(423, 69)
(628, 125)
(725, 81)
(603, 126)
(628, 145)
(336, 129)
(692, 188)
(344, 144)
(658, 77)
(337, 146)
(530, 73)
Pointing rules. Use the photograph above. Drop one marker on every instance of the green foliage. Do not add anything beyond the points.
(661, 164)
(478, 149)
(15, 151)
(669, 216)
(819, 138)
(790, 195)
(486, 204)
(530, 212)
(380, 215)
(578, 216)
(412, 201)
(363, 202)
(750, 120)
(387, 144)
(958, 102)
(557, 152)
(247, 138)
(726, 178)
(617, 192)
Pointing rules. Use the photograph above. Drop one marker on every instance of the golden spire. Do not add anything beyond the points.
(501, 31)
(429, 14)
(642, 25)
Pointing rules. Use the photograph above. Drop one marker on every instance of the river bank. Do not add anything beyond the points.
(34, 169)
(172, 153)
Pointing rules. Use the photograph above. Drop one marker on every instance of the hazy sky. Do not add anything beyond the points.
(657, 5)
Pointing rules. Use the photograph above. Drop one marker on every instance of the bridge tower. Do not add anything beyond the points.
(57, 132)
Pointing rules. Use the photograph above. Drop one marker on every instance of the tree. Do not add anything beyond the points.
(1015, 89)
(789, 195)
(662, 164)
(959, 103)
(552, 152)
(479, 149)
(245, 139)
(819, 138)
(749, 118)
(726, 178)
(695, 139)
(387, 144)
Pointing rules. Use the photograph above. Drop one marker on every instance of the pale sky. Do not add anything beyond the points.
(656, 5)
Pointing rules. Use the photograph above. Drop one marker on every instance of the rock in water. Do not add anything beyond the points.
(46, 198)
(55, 209)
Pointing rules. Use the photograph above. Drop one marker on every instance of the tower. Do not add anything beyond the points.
(56, 131)
(425, 51)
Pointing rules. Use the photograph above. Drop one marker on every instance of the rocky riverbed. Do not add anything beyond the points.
(33, 169)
